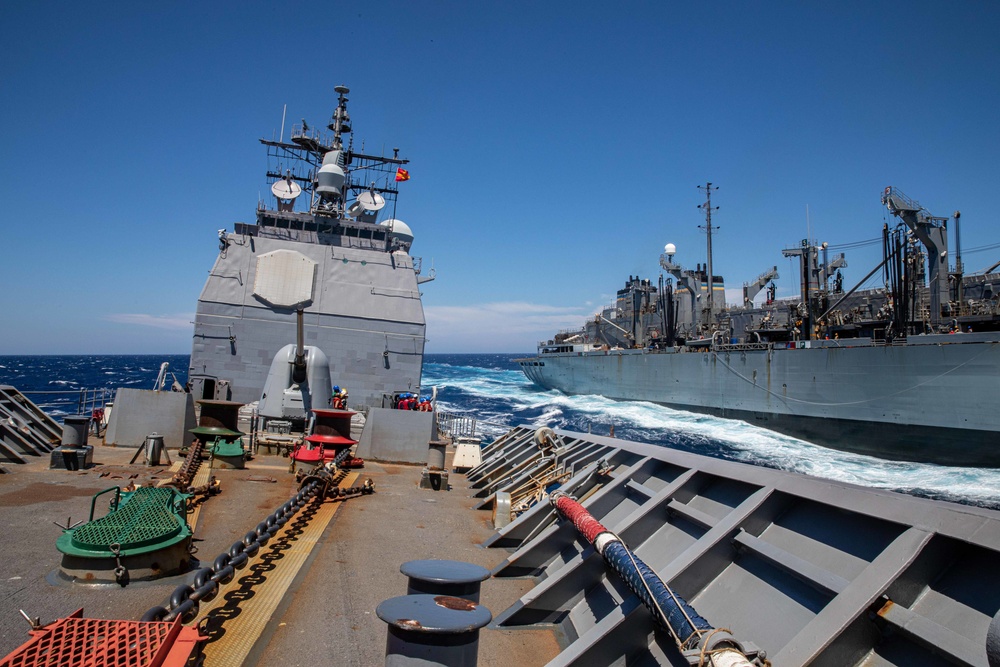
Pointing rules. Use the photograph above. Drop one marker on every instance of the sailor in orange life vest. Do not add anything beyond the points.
(407, 401)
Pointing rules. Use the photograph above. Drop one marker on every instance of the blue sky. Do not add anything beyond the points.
(555, 147)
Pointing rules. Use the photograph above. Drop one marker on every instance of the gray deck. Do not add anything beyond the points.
(329, 616)
(814, 572)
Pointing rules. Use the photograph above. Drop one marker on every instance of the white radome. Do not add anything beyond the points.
(398, 229)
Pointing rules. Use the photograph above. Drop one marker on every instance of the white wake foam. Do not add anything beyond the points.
(740, 441)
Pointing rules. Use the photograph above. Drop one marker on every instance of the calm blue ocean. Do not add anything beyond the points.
(491, 388)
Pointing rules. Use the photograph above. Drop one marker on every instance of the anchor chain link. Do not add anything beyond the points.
(121, 572)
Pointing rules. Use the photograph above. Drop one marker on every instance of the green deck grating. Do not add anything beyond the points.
(147, 520)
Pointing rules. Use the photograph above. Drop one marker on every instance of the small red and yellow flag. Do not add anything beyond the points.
(402, 175)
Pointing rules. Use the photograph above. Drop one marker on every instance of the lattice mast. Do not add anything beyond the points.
(708, 208)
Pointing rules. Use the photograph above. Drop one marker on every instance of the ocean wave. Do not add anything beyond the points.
(507, 397)
(959, 484)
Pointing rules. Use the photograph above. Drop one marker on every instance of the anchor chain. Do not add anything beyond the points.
(329, 482)
(183, 477)
(333, 465)
(185, 600)
(121, 572)
(210, 489)
(342, 456)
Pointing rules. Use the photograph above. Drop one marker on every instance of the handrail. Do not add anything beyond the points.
(93, 501)
(88, 398)
(738, 347)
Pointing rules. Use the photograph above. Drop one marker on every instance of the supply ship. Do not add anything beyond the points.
(325, 251)
(907, 372)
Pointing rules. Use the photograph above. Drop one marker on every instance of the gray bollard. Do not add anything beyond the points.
(432, 630)
(75, 429)
(74, 453)
(444, 577)
(435, 454)
(434, 476)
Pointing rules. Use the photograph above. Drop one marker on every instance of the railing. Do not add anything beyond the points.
(741, 347)
(978, 307)
(302, 131)
(87, 400)
(459, 425)
(893, 193)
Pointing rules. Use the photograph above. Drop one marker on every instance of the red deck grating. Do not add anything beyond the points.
(89, 642)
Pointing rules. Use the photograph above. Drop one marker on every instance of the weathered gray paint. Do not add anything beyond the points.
(396, 436)
(361, 309)
(140, 412)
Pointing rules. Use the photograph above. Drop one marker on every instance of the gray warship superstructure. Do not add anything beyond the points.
(908, 371)
(342, 263)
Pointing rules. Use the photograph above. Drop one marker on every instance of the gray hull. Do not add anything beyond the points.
(366, 316)
(935, 400)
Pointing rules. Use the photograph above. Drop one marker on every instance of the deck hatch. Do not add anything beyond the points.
(148, 519)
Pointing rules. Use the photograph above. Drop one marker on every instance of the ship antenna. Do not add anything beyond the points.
(341, 121)
(708, 208)
(808, 225)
